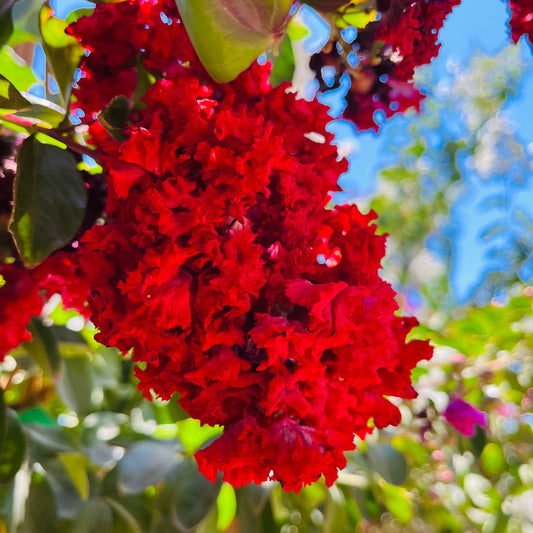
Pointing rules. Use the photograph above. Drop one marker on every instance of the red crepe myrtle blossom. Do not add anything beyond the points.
(223, 270)
(521, 21)
(464, 417)
(386, 53)
(19, 301)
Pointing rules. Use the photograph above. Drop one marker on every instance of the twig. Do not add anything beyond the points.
(32, 127)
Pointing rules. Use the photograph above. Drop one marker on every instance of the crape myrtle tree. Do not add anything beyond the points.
(193, 336)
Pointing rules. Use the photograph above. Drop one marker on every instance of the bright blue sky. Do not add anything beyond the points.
(467, 30)
(474, 25)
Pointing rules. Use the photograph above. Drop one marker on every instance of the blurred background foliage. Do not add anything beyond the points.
(82, 451)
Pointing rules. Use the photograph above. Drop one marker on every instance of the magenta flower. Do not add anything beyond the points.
(464, 417)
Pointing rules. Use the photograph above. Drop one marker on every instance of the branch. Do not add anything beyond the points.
(32, 127)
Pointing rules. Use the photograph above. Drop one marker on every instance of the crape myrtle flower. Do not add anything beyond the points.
(521, 21)
(20, 300)
(386, 53)
(221, 267)
(464, 417)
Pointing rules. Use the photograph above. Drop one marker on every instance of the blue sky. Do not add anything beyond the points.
(475, 25)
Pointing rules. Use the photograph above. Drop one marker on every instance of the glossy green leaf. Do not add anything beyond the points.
(144, 464)
(13, 451)
(49, 200)
(229, 34)
(10, 98)
(191, 495)
(95, 517)
(388, 462)
(115, 116)
(43, 347)
(63, 51)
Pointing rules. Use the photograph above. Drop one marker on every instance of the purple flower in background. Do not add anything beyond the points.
(464, 417)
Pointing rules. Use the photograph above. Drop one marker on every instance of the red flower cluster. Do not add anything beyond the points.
(19, 301)
(521, 21)
(381, 80)
(223, 270)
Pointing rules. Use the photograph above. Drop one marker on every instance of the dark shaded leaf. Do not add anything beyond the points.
(49, 200)
(10, 98)
(48, 441)
(13, 451)
(145, 463)
(3, 420)
(6, 24)
(95, 517)
(229, 34)
(189, 494)
(63, 51)
(388, 462)
(114, 117)
(43, 347)
(75, 385)
(40, 507)
(26, 16)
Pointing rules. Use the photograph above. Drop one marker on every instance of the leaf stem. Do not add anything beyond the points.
(32, 127)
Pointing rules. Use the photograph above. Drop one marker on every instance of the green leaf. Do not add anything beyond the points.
(6, 24)
(26, 16)
(13, 451)
(283, 63)
(145, 463)
(15, 69)
(47, 441)
(124, 521)
(388, 462)
(76, 467)
(115, 116)
(75, 385)
(191, 496)
(75, 15)
(49, 200)
(397, 503)
(10, 98)
(41, 513)
(43, 347)
(229, 34)
(192, 434)
(63, 51)
(226, 506)
(95, 517)
(493, 460)
(43, 110)
(3, 420)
